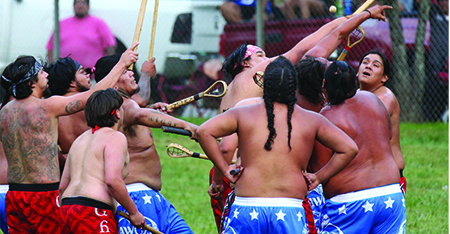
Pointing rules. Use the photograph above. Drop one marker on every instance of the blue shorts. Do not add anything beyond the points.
(266, 215)
(316, 201)
(3, 226)
(375, 210)
(156, 209)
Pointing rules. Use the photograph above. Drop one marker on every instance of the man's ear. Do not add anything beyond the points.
(32, 84)
(116, 113)
(384, 79)
(73, 84)
(245, 63)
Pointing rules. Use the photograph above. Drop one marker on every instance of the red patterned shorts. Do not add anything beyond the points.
(33, 208)
(86, 215)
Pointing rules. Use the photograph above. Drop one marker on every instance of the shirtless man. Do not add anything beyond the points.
(365, 197)
(373, 73)
(274, 154)
(28, 129)
(66, 77)
(144, 179)
(93, 176)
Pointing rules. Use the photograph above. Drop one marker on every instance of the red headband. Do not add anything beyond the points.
(251, 49)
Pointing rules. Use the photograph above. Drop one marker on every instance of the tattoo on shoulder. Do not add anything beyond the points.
(74, 106)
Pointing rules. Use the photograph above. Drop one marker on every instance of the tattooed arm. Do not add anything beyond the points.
(148, 70)
(153, 118)
(59, 105)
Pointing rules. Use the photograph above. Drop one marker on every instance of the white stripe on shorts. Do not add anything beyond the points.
(137, 187)
(4, 188)
(367, 193)
(268, 201)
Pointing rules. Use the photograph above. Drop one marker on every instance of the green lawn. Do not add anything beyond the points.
(424, 146)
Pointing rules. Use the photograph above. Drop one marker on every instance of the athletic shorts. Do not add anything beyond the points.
(316, 201)
(88, 216)
(33, 208)
(375, 210)
(3, 226)
(156, 209)
(269, 215)
(217, 209)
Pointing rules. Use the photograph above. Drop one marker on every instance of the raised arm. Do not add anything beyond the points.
(59, 105)
(307, 43)
(154, 119)
(148, 71)
(328, 44)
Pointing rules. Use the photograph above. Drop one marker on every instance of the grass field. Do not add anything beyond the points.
(424, 146)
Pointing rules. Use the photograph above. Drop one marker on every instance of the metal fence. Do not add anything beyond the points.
(418, 51)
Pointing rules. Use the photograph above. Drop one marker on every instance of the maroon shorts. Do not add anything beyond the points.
(86, 215)
(217, 208)
(33, 208)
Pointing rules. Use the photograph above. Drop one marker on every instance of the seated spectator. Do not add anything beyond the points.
(304, 9)
(235, 11)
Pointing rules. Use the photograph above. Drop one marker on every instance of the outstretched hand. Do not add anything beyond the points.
(377, 12)
(149, 66)
(130, 56)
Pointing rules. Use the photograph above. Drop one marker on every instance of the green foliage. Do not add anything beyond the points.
(424, 146)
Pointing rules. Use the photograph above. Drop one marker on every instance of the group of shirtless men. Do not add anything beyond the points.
(70, 171)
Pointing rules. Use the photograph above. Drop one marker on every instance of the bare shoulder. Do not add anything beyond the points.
(388, 98)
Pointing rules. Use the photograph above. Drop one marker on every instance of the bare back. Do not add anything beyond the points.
(366, 121)
(69, 128)
(145, 166)
(273, 173)
(29, 136)
(87, 162)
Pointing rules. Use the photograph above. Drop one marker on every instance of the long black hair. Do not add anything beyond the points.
(280, 84)
(340, 82)
(310, 78)
(233, 64)
(18, 77)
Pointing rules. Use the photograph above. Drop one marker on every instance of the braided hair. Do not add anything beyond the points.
(310, 77)
(340, 82)
(280, 84)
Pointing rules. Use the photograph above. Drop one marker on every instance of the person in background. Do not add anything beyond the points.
(84, 37)
(235, 11)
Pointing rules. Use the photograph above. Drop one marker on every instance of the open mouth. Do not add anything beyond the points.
(366, 74)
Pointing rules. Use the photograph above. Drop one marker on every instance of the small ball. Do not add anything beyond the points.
(333, 9)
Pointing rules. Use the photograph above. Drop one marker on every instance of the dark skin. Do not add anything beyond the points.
(364, 119)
